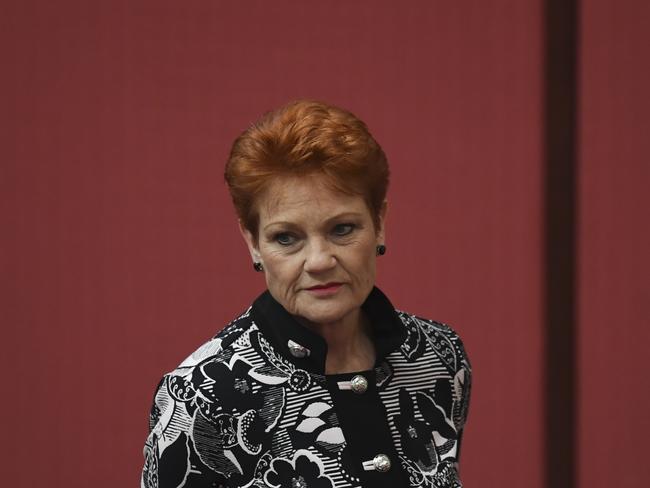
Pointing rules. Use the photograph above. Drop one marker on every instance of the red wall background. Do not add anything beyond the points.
(614, 245)
(120, 252)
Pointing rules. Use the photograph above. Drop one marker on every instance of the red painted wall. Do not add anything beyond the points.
(120, 252)
(614, 244)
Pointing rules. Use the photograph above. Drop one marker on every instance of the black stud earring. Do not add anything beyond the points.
(257, 266)
(381, 250)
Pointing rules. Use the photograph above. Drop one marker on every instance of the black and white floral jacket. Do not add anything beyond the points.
(253, 408)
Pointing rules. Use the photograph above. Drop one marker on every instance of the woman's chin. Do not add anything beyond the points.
(334, 309)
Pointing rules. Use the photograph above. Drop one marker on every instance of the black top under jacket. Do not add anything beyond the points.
(254, 408)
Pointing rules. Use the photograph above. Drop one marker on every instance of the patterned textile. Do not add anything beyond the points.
(253, 408)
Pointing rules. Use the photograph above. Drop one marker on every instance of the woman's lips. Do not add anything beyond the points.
(326, 289)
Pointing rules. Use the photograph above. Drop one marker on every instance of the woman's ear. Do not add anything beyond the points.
(250, 242)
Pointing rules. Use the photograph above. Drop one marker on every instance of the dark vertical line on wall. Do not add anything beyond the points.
(561, 31)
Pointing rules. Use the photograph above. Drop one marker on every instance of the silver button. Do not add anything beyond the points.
(359, 384)
(381, 462)
(297, 350)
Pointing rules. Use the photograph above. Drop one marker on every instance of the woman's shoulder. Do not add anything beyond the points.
(218, 345)
(427, 325)
(181, 384)
(442, 337)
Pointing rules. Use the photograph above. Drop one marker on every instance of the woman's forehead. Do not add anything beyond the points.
(308, 197)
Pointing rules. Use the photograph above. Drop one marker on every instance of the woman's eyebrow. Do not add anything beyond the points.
(281, 223)
(289, 224)
(343, 215)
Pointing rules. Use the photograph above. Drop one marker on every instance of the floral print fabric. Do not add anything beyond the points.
(239, 413)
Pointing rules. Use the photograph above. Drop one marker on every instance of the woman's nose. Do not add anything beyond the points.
(319, 257)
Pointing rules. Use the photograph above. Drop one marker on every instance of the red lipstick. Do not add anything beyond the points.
(326, 289)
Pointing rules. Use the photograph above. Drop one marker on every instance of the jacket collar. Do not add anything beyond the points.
(293, 340)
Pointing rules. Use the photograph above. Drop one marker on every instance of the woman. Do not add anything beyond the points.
(321, 382)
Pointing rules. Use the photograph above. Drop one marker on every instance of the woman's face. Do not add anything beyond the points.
(318, 248)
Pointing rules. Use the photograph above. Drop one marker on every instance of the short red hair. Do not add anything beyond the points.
(303, 138)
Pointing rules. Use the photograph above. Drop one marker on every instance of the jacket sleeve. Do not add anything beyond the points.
(166, 450)
(160, 455)
(170, 457)
(462, 392)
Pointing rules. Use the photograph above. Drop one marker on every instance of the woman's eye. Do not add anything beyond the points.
(343, 229)
(284, 239)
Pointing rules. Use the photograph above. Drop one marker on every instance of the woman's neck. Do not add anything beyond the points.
(349, 343)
